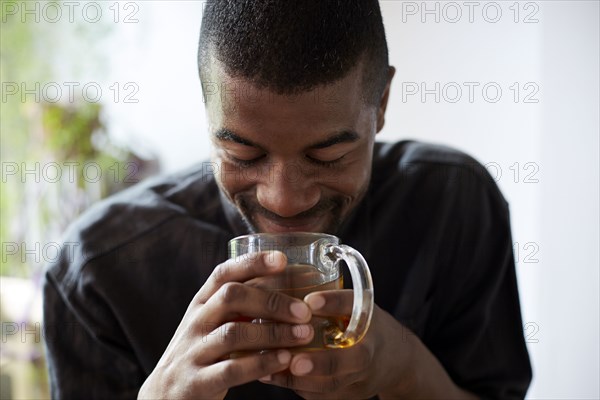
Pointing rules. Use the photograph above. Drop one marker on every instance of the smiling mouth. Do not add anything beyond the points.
(289, 224)
(321, 218)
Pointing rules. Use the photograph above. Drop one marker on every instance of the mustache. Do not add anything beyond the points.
(252, 208)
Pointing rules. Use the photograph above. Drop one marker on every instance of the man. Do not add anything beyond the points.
(295, 94)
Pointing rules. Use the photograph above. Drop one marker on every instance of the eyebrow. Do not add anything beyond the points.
(227, 135)
(345, 136)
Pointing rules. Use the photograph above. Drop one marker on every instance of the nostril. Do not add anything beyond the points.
(286, 201)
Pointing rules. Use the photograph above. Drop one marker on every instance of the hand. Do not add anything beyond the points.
(196, 363)
(390, 361)
(375, 365)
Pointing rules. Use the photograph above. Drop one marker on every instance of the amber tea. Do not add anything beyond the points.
(314, 265)
(297, 281)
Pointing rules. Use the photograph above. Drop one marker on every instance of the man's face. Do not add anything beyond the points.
(291, 163)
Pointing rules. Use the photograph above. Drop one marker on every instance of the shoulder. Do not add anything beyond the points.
(415, 151)
(428, 169)
(129, 215)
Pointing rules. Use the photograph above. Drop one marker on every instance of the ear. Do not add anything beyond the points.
(384, 100)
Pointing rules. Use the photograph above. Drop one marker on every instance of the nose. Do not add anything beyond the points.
(287, 192)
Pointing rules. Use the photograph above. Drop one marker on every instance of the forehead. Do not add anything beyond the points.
(237, 104)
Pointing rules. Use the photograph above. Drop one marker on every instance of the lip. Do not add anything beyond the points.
(313, 224)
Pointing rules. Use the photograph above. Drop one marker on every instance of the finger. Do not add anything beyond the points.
(241, 269)
(331, 302)
(235, 299)
(242, 337)
(234, 372)
(324, 385)
(349, 392)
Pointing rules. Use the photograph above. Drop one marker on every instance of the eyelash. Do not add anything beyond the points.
(249, 163)
(245, 163)
(327, 164)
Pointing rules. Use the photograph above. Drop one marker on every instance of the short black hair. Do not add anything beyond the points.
(291, 46)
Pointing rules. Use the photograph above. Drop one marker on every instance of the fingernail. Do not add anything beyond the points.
(302, 367)
(274, 259)
(284, 356)
(299, 310)
(301, 331)
(315, 302)
(266, 378)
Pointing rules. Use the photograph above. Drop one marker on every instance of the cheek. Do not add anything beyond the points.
(233, 179)
(350, 181)
(343, 183)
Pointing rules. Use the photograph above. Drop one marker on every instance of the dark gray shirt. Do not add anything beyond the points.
(433, 227)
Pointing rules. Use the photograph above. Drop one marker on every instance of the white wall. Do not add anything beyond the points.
(555, 218)
(554, 196)
(568, 356)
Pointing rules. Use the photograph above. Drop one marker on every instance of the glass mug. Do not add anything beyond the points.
(313, 264)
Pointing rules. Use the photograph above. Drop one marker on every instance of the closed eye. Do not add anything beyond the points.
(245, 163)
(325, 163)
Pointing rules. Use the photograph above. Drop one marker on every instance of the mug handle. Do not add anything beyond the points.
(362, 309)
